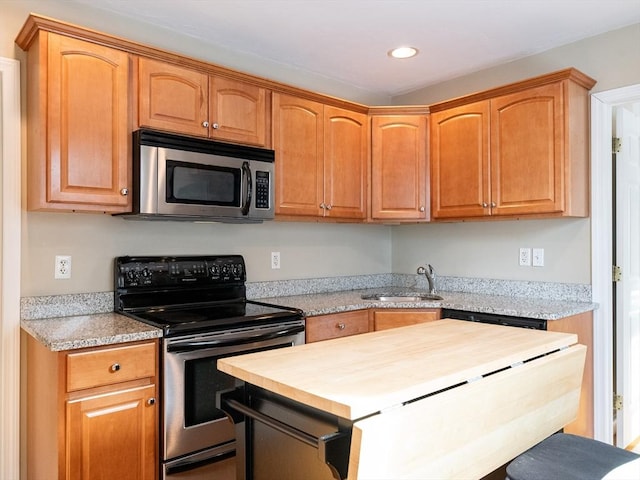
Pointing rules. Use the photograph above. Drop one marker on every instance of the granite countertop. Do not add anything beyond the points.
(80, 331)
(336, 302)
(75, 321)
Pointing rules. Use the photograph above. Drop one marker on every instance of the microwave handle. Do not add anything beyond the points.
(247, 173)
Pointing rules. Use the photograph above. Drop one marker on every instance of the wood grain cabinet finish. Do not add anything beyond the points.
(322, 159)
(582, 325)
(386, 318)
(79, 125)
(192, 102)
(522, 152)
(92, 413)
(336, 325)
(399, 167)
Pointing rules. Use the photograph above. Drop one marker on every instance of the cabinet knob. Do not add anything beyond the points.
(151, 401)
(328, 206)
(322, 205)
(485, 204)
(215, 126)
(115, 367)
(340, 326)
(205, 124)
(493, 204)
(421, 208)
(124, 192)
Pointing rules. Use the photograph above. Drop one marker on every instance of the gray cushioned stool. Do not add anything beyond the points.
(568, 457)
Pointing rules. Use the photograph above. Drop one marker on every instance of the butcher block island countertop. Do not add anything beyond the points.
(443, 399)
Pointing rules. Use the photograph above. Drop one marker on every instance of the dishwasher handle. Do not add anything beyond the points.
(333, 448)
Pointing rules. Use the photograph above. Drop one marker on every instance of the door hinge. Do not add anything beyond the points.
(616, 144)
(617, 402)
(617, 273)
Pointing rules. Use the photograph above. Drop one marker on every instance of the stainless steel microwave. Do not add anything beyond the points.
(185, 178)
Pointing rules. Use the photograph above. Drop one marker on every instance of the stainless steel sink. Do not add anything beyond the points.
(401, 297)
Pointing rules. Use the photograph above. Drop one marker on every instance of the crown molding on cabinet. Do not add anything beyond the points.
(35, 23)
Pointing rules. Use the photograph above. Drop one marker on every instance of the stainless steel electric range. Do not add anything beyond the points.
(200, 304)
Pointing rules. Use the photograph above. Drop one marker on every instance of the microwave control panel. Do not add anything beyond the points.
(262, 189)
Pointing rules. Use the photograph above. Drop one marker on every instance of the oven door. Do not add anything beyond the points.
(192, 382)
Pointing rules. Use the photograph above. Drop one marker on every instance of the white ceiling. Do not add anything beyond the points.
(348, 40)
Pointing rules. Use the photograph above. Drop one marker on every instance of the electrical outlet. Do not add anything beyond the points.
(275, 260)
(63, 267)
(538, 257)
(525, 257)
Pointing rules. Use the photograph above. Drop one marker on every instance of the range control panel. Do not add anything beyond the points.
(174, 271)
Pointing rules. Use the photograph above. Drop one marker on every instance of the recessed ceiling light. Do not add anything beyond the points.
(403, 52)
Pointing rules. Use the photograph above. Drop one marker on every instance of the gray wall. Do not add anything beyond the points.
(483, 249)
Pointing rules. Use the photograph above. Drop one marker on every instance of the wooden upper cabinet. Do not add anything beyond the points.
(172, 97)
(346, 162)
(460, 169)
(78, 118)
(521, 149)
(399, 167)
(321, 159)
(298, 142)
(191, 102)
(527, 161)
(237, 111)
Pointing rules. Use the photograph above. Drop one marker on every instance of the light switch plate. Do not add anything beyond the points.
(538, 257)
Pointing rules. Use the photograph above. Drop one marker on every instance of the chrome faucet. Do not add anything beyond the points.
(430, 273)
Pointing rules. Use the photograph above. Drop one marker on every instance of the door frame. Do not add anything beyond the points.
(602, 104)
(10, 234)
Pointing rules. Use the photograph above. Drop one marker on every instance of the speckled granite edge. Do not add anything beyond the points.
(33, 308)
(568, 292)
(510, 288)
(305, 286)
(81, 331)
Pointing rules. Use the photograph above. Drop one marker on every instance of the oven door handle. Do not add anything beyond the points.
(185, 347)
(187, 465)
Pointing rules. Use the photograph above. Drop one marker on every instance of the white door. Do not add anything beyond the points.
(627, 230)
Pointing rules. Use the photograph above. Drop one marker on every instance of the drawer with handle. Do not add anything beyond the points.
(111, 365)
(325, 327)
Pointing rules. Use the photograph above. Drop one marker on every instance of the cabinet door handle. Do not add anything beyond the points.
(328, 206)
(215, 126)
(151, 401)
(484, 205)
(124, 192)
(340, 326)
(421, 208)
(323, 206)
(205, 124)
(493, 204)
(115, 367)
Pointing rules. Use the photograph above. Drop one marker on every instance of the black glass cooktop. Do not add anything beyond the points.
(191, 294)
(175, 320)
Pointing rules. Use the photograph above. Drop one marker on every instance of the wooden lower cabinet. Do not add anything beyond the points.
(121, 423)
(383, 319)
(92, 413)
(582, 325)
(335, 325)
